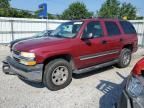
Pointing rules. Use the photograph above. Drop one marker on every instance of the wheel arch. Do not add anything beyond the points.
(66, 57)
(128, 46)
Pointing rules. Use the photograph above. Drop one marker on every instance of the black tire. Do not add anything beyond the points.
(122, 60)
(50, 68)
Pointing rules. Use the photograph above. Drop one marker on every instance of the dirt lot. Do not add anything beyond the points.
(97, 89)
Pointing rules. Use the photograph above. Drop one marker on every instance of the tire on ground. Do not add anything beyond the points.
(122, 59)
(48, 72)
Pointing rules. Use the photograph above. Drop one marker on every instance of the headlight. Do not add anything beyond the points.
(134, 87)
(27, 58)
(27, 55)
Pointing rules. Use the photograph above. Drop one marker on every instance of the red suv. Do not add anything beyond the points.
(74, 47)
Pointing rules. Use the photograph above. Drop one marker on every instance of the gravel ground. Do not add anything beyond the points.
(97, 89)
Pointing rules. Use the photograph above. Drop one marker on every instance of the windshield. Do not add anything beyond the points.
(41, 34)
(67, 30)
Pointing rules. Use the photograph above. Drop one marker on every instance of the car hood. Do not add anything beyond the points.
(18, 40)
(31, 44)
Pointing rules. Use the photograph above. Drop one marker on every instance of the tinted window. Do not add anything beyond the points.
(112, 28)
(127, 27)
(93, 28)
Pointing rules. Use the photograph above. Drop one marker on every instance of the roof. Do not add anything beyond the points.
(100, 18)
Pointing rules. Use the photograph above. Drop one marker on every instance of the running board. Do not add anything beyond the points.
(95, 67)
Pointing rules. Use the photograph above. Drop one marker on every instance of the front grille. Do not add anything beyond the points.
(16, 55)
(16, 59)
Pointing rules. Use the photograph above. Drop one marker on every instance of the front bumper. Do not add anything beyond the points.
(30, 73)
(127, 102)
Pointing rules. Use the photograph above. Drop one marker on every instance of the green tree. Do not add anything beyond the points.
(76, 10)
(128, 10)
(51, 16)
(36, 13)
(7, 11)
(4, 4)
(113, 9)
(24, 14)
(110, 8)
(12, 13)
(139, 17)
(4, 7)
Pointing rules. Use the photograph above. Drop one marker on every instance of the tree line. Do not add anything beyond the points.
(77, 10)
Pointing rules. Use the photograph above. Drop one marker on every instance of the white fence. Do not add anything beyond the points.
(139, 26)
(14, 28)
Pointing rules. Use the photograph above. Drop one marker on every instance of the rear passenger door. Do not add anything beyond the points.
(113, 38)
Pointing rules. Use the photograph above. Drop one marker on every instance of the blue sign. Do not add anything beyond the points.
(43, 10)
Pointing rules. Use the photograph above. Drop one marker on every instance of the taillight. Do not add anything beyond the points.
(138, 68)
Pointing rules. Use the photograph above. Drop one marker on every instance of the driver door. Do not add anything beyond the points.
(93, 45)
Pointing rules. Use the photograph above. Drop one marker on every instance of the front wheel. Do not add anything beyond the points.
(125, 58)
(57, 74)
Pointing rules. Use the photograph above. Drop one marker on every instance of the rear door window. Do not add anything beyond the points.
(112, 28)
(127, 27)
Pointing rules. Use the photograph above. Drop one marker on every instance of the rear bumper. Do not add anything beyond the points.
(30, 73)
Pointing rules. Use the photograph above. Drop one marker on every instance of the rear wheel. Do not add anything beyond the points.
(125, 58)
(57, 74)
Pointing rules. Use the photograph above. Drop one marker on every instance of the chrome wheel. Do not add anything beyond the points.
(126, 58)
(60, 75)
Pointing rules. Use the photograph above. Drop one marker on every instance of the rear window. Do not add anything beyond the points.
(112, 28)
(127, 27)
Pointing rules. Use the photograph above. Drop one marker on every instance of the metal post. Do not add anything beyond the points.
(139, 34)
(143, 39)
(142, 34)
(12, 31)
(46, 24)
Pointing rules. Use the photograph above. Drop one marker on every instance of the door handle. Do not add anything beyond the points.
(104, 42)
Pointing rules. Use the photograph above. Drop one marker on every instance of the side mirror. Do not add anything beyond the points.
(88, 36)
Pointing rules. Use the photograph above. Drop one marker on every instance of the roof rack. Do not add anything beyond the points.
(107, 17)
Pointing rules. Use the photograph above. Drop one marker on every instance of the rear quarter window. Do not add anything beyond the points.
(128, 28)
